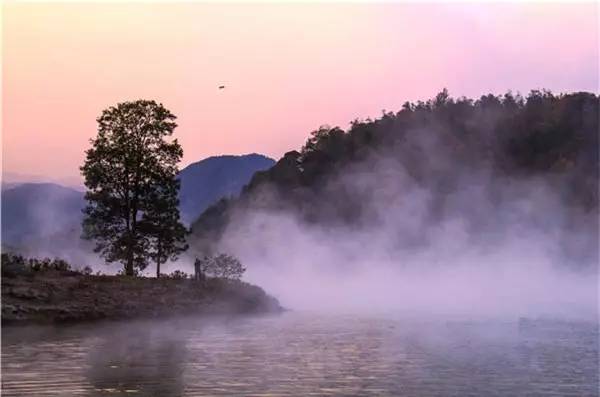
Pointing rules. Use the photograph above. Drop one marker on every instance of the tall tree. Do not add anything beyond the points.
(127, 171)
(162, 223)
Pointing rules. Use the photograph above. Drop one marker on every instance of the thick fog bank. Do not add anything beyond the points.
(488, 247)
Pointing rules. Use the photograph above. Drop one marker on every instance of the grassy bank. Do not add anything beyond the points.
(52, 296)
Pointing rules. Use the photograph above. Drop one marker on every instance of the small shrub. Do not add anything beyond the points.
(14, 265)
(60, 265)
(223, 266)
(34, 264)
(178, 275)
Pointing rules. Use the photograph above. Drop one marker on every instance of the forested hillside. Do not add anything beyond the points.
(496, 147)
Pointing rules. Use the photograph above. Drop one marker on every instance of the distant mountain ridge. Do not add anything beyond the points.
(12, 179)
(208, 180)
(49, 215)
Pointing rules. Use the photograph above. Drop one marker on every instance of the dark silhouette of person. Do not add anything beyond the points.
(197, 269)
(198, 273)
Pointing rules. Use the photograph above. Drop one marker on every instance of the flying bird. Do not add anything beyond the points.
(221, 87)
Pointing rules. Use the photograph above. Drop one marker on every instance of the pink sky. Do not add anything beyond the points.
(288, 68)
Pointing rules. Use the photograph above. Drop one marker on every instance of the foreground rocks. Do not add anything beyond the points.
(65, 296)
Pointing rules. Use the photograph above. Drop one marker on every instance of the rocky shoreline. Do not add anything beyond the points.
(66, 296)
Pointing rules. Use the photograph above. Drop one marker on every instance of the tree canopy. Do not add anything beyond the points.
(130, 172)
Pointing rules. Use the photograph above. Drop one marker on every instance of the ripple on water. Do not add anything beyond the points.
(302, 355)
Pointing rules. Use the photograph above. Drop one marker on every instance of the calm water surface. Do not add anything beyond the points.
(303, 354)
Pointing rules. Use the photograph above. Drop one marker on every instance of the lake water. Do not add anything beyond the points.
(303, 354)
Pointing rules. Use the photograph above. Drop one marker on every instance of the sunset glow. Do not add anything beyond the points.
(287, 68)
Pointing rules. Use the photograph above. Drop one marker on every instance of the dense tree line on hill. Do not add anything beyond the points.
(439, 144)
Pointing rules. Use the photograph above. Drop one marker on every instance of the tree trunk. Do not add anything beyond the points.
(158, 254)
(129, 266)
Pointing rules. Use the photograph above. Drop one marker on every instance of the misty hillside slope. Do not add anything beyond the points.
(487, 164)
(33, 210)
(208, 180)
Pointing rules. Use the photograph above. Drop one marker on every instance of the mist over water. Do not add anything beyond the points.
(489, 246)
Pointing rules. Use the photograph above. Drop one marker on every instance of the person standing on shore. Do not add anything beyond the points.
(198, 273)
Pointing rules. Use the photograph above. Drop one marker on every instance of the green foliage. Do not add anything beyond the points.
(222, 266)
(130, 172)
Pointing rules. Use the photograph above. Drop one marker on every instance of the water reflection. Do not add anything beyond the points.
(138, 359)
(303, 354)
